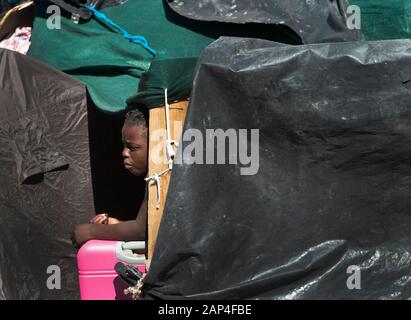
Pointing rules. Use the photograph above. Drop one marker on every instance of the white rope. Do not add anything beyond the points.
(170, 152)
(155, 179)
(136, 291)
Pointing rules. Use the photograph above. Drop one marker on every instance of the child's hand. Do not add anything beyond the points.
(100, 219)
(103, 218)
(113, 220)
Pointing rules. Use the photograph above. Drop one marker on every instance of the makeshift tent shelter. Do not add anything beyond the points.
(134, 69)
(115, 68)
(60, 163)
(332, 184)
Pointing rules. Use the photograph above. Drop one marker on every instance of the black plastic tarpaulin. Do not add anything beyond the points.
(45, 178)
(60, 163)
(326, 215)
(313, 20)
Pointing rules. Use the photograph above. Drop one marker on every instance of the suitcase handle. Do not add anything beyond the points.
(124, 251)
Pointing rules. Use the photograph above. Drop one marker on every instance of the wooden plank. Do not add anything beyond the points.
(157, 162)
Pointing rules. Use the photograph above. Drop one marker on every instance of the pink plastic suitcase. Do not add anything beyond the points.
(97, 277)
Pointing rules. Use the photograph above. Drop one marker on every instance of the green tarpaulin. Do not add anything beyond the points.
(385, 19)
(110, 65)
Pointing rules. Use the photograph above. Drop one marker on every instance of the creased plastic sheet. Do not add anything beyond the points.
(313, 20)
(45, 178)
(328, 210)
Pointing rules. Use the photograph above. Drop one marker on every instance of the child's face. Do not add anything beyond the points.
(135, 148)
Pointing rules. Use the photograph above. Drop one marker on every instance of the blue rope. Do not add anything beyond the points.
(135, 39)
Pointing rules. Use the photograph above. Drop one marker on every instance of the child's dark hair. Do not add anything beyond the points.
(136, 117)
